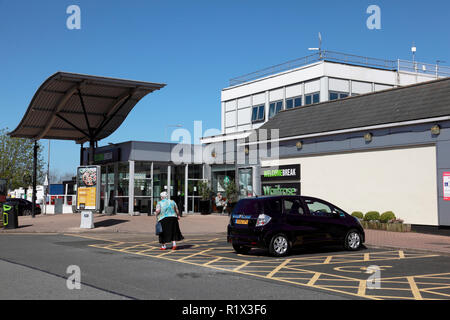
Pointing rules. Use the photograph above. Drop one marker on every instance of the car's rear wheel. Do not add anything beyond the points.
(352, 240)
(279, 245)
(240, 248)
(26, 212)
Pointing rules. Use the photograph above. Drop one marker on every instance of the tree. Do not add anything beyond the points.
(16, 161)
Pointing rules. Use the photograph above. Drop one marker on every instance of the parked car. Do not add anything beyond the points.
(24, 206)
(279, 223)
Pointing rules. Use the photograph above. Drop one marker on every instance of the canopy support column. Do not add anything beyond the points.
(33, 208)
(91, 152)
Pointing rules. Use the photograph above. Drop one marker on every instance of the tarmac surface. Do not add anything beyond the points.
(196, 224)
(120, 259)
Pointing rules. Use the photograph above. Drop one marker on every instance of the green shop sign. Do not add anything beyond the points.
(281, 189)
(284, 173)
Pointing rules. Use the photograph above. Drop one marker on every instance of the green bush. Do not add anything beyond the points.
(358, 214)
(372, 215)
(387, 216)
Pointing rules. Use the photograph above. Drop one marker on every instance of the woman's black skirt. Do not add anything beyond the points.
(171, 230)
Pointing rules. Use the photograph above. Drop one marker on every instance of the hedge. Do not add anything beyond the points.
(387, 216)
(372, 215)
(358, 214)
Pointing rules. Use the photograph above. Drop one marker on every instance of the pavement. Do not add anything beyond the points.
(196, 224)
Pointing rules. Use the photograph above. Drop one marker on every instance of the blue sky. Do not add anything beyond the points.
(194, 47)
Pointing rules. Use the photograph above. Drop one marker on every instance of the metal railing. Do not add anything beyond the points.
(333, 56)
(423, 68)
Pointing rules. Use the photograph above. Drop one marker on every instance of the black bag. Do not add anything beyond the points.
(158, 228)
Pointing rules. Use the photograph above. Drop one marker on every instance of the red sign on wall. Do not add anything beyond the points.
(446, 184)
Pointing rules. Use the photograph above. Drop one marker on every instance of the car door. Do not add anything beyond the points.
(328, 221)
(297, 222)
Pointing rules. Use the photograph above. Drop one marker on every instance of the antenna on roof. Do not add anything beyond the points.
(413, 50)
(437, 67)
(319, 48)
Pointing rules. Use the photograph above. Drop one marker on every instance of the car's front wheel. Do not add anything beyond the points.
(352, 240)
(241, 249)
(279, 245)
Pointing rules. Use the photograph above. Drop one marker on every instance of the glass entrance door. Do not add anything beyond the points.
(195, 176)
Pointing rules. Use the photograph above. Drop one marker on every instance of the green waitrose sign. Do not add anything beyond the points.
(281, 180)
(281, 189)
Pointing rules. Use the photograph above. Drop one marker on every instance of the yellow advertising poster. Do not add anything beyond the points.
(87, 196)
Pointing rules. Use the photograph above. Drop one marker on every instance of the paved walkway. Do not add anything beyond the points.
(206, 224)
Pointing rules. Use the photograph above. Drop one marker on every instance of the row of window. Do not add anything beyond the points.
(290, 206)
(258, 113)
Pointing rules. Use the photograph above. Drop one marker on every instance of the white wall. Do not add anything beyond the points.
(399, 180)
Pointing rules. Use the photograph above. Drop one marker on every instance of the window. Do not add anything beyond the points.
(318, 208)
(247, 207)
(258, 113)
(338, 95)
(293, 102)
(274, 108)
(312, 98)
(272, 206)
(292, 206)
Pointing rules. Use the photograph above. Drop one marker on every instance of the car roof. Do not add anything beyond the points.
(279, 197)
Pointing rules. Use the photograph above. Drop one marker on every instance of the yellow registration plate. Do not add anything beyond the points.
(241, 221)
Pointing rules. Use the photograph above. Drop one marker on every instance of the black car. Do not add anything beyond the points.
(24, 206)
(280, 223)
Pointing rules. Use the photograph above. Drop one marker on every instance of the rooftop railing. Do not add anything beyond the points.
(332, 56)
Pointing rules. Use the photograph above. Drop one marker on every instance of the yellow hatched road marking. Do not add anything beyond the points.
(436, 293)
(282, 265)
(328, 259)
(195, 254)
(362, 288)
(241, 266)
(415, 290)
(212, 261)
(142, 251)
(314, 279)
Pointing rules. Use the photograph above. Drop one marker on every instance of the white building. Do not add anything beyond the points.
(253, 99)
(384, 150)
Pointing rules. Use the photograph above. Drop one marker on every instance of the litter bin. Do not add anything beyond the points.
(10, 216)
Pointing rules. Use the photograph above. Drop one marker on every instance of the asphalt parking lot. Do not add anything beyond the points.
(370, 273)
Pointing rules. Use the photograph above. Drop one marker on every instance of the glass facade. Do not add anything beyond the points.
(245, 182)
(220, 176)
(148, 181)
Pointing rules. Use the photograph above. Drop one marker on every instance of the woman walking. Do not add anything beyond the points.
(167, 213)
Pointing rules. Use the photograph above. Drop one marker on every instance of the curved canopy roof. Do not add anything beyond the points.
(70, 106)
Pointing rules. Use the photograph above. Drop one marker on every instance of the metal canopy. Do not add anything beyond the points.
(82, 108)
